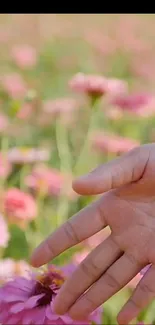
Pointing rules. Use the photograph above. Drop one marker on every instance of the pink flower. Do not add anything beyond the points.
(19, 206)
(113, 143)
(24, 155)
(141, 104)
(80, 256)
(10, 268)
(116, 87)
(46, 180)
(60, 105)
(25, 111)
(92, 85)
(96, 239)
(14, 85)
(30, 301)
(5, 167)
(4, 234)
(24, 56)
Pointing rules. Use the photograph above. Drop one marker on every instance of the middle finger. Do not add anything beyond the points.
(86, 274)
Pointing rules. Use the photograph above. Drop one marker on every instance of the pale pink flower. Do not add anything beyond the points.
(24, 155)
(14, 86)
(5, 166)
(3, 122)
(96, 239)
(80, 256)
(30, 301)
(116, 87)
(92, 85)
(46, 180)
(19, 207)
(25, 111)
(4, 233)
(113, 143)
(10, 268)
(25, 56)
(59, 106)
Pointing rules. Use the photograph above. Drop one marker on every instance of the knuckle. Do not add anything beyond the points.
(134, 260)
(146, 289)
(50, 247)
(111, 281)
(70, 233)
(90, 301)
(89, 269)
(136, 302)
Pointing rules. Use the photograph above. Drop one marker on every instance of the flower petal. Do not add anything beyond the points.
(66, 319)
(32, 301)
(50, 314)
(17, 308)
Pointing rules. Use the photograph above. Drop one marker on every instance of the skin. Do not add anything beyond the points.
(127, 205)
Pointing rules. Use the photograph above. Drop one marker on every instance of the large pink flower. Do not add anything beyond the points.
(19, 206)
(92, 85)
(4, 233)
(24, 56)
(113, 143)
(30, 301)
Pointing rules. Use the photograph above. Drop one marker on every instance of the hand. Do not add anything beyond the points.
(128, 207)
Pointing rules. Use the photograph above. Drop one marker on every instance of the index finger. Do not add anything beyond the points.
(81, 226)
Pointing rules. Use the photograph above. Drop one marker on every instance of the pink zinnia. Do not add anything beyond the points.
(30, 301)
(113, 143)
(92, 85)
(4, 233)
(19, 206)
(14, 85)
(47, 180)
(5, 166)
(25, 56)
(137, 103)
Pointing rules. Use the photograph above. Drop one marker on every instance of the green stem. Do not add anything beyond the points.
(83, 161)
(65, 167)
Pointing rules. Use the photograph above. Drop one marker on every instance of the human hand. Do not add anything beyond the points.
(128, 207)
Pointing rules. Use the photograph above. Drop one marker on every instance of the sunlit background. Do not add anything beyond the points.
(75, 92)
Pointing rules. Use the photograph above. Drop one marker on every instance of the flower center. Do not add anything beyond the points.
(48, 284)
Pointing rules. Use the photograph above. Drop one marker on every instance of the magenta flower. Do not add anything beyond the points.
(4, 233)
(30, 301)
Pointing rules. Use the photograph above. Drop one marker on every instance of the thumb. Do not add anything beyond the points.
(121, 171)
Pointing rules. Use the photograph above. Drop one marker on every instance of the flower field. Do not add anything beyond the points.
(75, 91)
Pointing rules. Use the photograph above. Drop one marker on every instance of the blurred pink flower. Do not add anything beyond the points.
(141, 104)
(3, 122)
(25, 56)
(46, 180)
(113, 143)
(25, 111)
(80, 256)
(5, 166)
(14, 85)
(92, 85)
(60, 105)
(24, 155)
(30, 301)
(4, 233)
(10, 268)
(19, 207)
(116, 87)
(96, 239)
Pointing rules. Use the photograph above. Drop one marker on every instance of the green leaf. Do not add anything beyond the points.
(18, 246)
